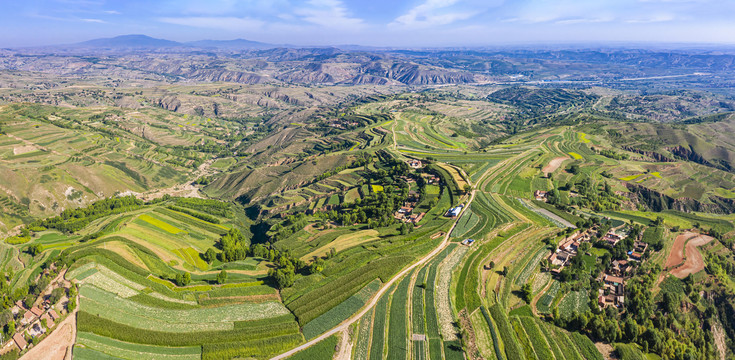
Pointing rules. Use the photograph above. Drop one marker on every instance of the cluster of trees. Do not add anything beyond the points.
(376, 209)
(660, 328)
(719, 266)
(72, 220)
(620, 250)
(235, 247)
(595, 196)
(183, 279)
(613, 154)
(290, 225)
(213, 207)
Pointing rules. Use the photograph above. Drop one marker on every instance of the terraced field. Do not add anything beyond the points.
(57, 157)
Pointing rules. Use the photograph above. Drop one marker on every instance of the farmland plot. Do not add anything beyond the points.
(132, 351)
(134, 314)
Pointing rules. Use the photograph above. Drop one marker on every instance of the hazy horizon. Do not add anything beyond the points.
(420, 23)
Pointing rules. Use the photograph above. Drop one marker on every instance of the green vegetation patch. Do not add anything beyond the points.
(323, 350)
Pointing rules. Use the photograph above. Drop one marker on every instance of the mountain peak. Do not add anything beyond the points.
(130, 41)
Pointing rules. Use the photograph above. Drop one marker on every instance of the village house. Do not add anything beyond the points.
(611, 238)
(556, 272)
(37, 311)
(415, 218)
(49, 321)
(455, 211)
(612, 280)
(430, 178)
(416, 164)
(570, 245)
(620, 267)
(54, 315)
(20, 341)
(640, 247)
(613, 293)
(540, 195)
(28, 317)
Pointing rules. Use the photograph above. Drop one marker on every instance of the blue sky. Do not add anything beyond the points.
(372, 22)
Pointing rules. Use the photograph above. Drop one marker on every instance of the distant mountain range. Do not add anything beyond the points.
(147, 42)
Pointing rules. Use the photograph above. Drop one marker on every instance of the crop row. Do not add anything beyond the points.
(381, 313)
(468, 282)
(530, 267)
(341, 312)
(586, 347)
(418, 325)
(629, 352)
(494, 334)
(322, 350)
(548, 333)
(544, 303)
(87, 322)
(522, 337)
(309, 306)
(432, 323)
(127, 350)
(513, 351)
(397, 326)
(247, 349)
(565, 343)
(538, 340)
(139, 315)
(362, 347)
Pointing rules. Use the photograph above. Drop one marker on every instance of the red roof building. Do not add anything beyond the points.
(20, 341)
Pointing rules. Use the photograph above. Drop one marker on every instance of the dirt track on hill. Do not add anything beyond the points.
(680, 265)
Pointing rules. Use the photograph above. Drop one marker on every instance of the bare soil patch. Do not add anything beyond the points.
(23, 149)
(553, 165)
(694, 262)
(606, 350)
(676, 256)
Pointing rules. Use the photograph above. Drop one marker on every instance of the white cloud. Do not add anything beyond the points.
(432, 13)
(215, 22)
(653, 19)
(583, 21)
(99, 21)
(329, 14)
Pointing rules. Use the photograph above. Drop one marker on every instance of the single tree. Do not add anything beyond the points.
(222, 277)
